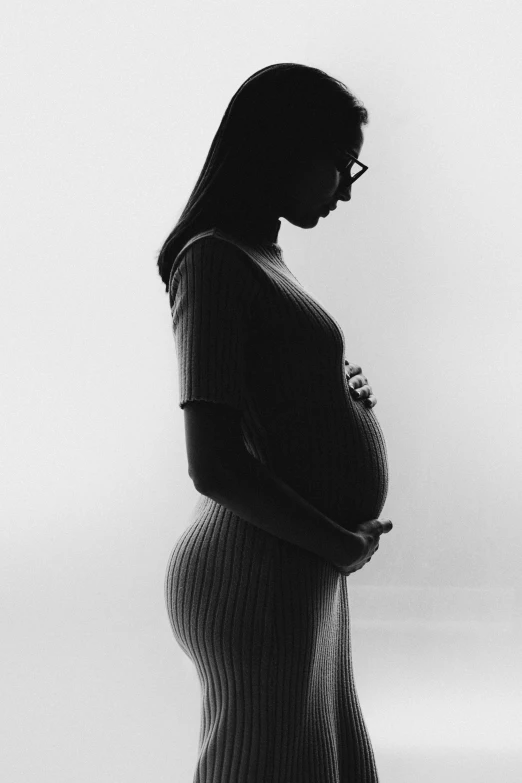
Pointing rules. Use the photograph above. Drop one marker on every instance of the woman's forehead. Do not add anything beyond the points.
(350, 146)
(354, 147)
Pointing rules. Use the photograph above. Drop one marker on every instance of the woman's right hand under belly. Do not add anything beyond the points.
(363, 545)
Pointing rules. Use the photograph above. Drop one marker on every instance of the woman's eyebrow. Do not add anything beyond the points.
(347, 153)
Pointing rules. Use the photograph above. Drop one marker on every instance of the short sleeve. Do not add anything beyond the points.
(212, 291)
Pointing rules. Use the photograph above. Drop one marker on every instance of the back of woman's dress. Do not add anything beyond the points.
(266, 622)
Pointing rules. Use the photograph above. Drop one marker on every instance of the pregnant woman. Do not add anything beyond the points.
(282, 444)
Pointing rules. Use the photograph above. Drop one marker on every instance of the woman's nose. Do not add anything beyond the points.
(345, 193)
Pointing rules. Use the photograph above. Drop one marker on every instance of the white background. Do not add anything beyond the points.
(109, 110)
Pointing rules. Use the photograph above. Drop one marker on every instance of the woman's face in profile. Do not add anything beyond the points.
(314, 187)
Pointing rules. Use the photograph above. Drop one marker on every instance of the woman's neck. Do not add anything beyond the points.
(262, 230)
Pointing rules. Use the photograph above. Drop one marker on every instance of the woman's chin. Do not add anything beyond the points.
(304, 219)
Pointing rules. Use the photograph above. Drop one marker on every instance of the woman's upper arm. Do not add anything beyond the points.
(213, 294)
(214, 440)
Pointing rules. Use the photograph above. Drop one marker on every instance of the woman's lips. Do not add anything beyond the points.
(327, 211)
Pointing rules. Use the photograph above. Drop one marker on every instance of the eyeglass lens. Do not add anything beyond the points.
(353, 170)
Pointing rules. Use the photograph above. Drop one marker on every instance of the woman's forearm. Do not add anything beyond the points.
(250, 490)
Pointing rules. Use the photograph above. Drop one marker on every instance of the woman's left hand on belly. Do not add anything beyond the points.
(359, 386)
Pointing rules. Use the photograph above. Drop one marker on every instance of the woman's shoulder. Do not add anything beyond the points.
(215, 260)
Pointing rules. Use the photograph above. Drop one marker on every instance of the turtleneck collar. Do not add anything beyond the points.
(264, 232)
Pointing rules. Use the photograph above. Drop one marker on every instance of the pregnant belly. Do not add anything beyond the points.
(335, 457)
(368, 468)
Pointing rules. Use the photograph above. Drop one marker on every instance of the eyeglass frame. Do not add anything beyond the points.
(353, 160)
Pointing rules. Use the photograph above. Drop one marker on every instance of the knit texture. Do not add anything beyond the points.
(265, 622)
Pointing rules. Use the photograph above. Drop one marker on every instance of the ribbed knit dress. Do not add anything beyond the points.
(265, 622)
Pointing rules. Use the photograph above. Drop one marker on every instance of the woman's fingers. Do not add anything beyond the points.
(375, 527)
(352, 369)
(357, 380)
(359, 386)
(362, 388)
(371, 402)
(387, 525)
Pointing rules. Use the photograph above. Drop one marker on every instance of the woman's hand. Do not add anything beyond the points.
(367, 535)
(358, 383)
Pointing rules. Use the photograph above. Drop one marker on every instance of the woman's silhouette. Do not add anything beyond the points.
(290, 464)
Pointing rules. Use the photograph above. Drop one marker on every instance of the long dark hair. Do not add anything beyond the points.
(281, 114)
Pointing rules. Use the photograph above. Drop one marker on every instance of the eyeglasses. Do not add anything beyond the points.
(352, 168)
